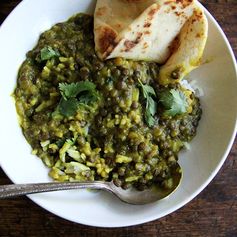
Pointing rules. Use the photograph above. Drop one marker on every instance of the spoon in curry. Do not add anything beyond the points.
(130, 196)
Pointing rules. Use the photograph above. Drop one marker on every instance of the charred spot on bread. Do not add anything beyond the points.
(129, 44)
(107, 38)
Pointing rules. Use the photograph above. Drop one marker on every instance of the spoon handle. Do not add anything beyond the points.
(14, 190)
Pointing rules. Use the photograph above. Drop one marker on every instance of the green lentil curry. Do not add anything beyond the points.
(93, 120)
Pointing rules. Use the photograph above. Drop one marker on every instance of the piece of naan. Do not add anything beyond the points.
(189, 49)
(139, 29)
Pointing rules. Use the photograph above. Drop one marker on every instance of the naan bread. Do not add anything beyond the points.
(139, 29)
(190, 45)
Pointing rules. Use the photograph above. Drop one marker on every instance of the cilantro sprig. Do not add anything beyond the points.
(76, 94)
(174, 102)
(47, 53)
(73, 89)
(151, 106)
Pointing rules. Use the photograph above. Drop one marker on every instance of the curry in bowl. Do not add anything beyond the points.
(89, 119)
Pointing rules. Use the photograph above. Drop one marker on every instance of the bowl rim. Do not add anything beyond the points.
(186, 200)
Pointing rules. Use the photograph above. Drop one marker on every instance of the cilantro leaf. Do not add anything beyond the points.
(73, 89)
(148, 89)
(151, 105)
(48, 52)
(88, 98)
(149, 119)
(174, 101)
(68, 107)
(75, 95)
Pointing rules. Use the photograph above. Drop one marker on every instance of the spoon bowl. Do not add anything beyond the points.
(153, 194)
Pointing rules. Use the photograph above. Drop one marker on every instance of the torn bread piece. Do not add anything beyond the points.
(138, 29)
(190, 45)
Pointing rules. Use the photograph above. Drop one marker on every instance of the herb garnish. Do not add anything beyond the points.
(48, 52)
(151, 105)
(68, 107)
(174, 101)
(76, 94)
(72, 90)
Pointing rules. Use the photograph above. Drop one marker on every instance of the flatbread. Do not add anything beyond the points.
(138, 29)
(190, 45)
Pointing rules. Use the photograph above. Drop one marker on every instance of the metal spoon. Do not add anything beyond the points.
(130, 196)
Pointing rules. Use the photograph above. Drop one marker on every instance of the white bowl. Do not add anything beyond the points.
(20, 32)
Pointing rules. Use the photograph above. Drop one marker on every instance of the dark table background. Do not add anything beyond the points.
(213, 213)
